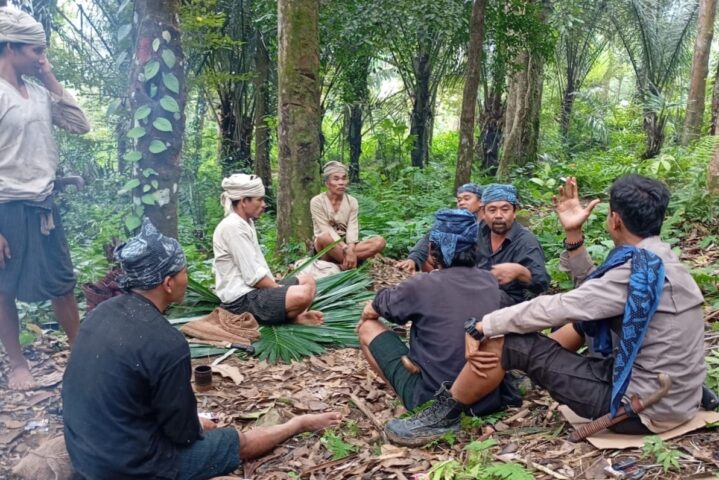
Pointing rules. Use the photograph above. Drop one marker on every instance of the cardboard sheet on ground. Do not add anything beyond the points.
(606, 439)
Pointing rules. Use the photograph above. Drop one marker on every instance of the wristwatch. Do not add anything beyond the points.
(471, 329)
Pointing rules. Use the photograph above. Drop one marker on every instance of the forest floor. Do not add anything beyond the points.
(534, 434)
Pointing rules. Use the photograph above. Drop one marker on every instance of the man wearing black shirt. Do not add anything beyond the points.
(510, 251)
(129, 409)
(437, 303)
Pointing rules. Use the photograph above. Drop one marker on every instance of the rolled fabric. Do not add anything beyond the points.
(19, 27)
(238, 186)
(498, 192)
(471, 188)
(148, 258)
(454, 231)
(332, 167)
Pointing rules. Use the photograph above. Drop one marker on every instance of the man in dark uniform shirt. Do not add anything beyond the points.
(129, 409)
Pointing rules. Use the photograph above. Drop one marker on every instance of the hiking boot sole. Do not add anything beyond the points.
(417, 440)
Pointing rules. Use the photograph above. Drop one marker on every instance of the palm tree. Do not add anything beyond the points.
(656, 35)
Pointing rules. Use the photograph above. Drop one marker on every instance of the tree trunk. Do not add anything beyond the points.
(299, 117)
(492, 127)
(421, 107)
(469, 97)
(714, 128)
(521, 121)
(654, 128)
(235, 136)
(700, 70)
(158, 95)
(354, 140)
(566, 111)
(262, 100)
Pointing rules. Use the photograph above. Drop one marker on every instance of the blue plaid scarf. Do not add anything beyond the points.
(646, 283)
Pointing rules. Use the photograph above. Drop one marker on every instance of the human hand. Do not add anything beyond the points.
(207, 424)
(471, 345)
(350, 260)
(407, 265)
(480, 362)
(506, 272)
(569, 210)
(4, 251)
(44, 68)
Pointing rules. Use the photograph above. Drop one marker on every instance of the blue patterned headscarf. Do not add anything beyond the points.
(454, 231)
(471, 188)
(498, 192)
(148, 258)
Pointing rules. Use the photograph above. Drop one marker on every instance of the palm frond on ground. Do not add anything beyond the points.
(340, 297)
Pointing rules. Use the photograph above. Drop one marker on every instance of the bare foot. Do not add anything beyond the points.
(311, 317)
(318, 421)
(20, 378)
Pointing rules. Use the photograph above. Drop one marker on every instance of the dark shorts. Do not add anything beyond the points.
(218, 453)
(583, 383)
(267, 305)
(387, 348)
(40, 267)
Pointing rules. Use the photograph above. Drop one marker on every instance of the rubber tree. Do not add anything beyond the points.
(465, 152)
(157, 99)
(299, 117)
(700, 70)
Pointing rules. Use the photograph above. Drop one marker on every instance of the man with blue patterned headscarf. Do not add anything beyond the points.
(128, 406)
(641, 306)
(436, 345)
(509, 250)
(469, 197)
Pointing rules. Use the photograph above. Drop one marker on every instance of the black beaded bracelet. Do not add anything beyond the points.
(570, 247)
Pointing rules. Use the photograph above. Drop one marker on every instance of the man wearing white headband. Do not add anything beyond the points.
(243, 280)
(35, 260)
(334, 215)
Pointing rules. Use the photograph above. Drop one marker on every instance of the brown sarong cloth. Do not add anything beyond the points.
(224, 326)
(50, 461)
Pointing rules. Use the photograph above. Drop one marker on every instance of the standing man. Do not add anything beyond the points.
(436, 339)
(641, 307)
(334, 215)
(243, 280)
(510, 251)
(469, 197)
(129, 410)
(35, 260)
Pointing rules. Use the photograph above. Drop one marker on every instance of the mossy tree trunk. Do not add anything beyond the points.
(421, 120)
(299, 117)
(157, 98)
(465, 154)
(521, 120)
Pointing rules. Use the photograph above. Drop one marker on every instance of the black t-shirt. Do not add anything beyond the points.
(127, 400)
(438, 303)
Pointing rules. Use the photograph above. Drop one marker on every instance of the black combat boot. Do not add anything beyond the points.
(429, 424)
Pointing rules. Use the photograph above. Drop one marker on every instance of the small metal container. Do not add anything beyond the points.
(203, 378)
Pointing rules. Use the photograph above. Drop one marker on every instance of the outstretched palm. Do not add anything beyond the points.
(569, 210)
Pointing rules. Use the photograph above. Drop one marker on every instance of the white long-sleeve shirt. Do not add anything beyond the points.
(28, 153)
(239, 261)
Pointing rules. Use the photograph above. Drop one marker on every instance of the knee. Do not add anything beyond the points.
(380, 243)
(368, 331)
(307, 294)
(322, 240)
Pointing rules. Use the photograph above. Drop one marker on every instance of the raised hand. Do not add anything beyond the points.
(569, 210)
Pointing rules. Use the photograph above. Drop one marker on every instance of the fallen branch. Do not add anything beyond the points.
(322, 466)
(372, 418)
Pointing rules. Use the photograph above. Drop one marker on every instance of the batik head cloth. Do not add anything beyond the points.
(238, 186)
(497, 192)
(330, 168)
(454, 231)
(471, 188)
(19, 27)
(148, 258)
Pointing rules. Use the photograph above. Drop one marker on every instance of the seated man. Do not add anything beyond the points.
(436, 344)
(641, 307)
(334, 215)
(128, 405)
(243, 280)
(469, 197)
(509, 250)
